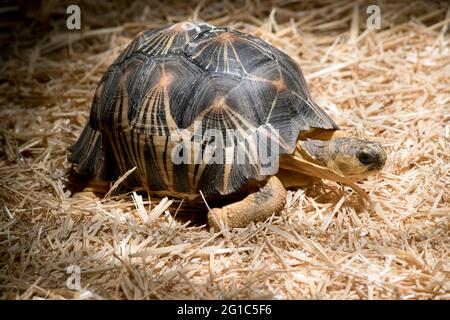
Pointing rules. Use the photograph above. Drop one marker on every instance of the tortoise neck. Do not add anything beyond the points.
(319, 150)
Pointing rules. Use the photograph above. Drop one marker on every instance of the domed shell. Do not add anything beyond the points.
(196, 107)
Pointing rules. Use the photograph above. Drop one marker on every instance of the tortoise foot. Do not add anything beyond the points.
(257, 206)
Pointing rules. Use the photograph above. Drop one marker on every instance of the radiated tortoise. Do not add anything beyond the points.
(196, 108)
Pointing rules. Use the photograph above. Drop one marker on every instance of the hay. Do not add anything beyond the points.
(390, 85)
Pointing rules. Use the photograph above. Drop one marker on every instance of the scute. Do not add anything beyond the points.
(169, 39)
(163, 94)
(177, 92)
(292, 70)
(205, 99)
(225, 51)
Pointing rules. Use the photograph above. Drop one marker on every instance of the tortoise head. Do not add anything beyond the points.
(354, 158)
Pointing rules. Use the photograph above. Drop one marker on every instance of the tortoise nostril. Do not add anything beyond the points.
(365, 158)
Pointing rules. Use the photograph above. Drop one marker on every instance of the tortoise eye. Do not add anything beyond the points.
(365, 158)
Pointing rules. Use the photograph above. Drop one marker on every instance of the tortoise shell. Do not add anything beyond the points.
(168, 102)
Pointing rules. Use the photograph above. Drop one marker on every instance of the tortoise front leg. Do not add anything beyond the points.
(257, 206)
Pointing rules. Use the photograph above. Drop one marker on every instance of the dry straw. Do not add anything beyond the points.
(390, 85)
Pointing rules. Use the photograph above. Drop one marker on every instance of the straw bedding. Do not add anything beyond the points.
(390, 85)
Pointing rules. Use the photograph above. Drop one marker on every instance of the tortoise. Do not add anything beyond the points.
(197, 109)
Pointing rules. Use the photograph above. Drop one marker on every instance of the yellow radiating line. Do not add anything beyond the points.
(159, 160)
(122, 103)
(128, 145)
(312, 106)
(160, 43)
(150, 43)
(212, 56)
(139, 142)
(271, 108)
(169, 43)
(279, 140)
(205, 156)
(231, 114)
(140, 158)
(201, 50)
(257, 47)
(280, 75)
(236, 123)
(218, 57)
(170, 123)
(205, 159)
(242, 119)
(201, 168)
(255, 78)
(225, 57)
(169, 120)
(115, 148)
(155, 148)
(144, 110)
(150, 39)
(250, 126)
(237, 57)
(202, 165)
(155, 107)
(242, 131)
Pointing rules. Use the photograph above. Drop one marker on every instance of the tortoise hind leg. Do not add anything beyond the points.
(257, 206)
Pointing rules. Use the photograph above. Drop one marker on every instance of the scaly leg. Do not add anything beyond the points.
(257, 206)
